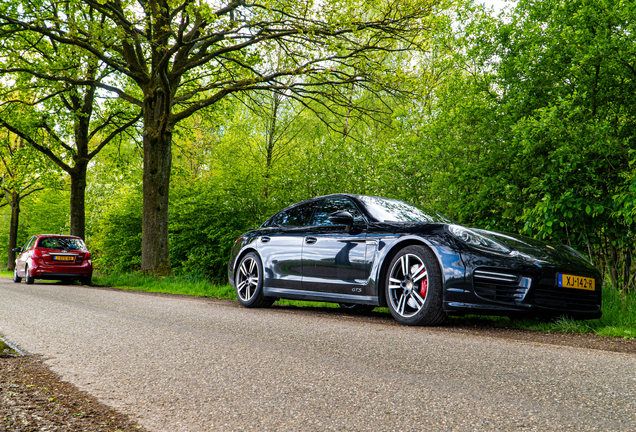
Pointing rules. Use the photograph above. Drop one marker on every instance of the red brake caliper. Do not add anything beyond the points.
(424, 287)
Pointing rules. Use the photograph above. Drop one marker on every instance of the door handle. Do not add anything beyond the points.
(265, 239)
(310, 240)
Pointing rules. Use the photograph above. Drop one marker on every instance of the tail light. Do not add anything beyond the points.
(87, 255)
(37, 253)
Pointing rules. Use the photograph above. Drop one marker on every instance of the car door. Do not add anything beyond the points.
(280, 248)
(334, 257)
(23, 256)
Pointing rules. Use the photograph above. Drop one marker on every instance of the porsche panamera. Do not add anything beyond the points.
(364, 251)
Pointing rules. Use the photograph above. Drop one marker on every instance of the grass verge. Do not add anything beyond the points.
(618, 320)
(188, 285)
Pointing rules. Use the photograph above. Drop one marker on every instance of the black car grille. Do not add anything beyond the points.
(500, 286)
(548, 295)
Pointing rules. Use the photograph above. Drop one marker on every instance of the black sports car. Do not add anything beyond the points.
(365, 251)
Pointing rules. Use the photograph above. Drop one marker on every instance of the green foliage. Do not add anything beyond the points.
(45, 212)
(533, 130)
(205, 223)
(116, 240)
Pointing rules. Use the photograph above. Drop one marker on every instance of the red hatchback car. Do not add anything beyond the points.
(52, 256)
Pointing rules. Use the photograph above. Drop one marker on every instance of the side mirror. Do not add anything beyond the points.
(17, 250)
(341, 218)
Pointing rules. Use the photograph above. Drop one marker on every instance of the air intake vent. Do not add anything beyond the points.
(497, 277)
(504, 287)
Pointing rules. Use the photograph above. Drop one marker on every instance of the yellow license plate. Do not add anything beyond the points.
(578, 282)
(63, 258)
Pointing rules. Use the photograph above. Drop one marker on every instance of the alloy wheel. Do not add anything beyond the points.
(247, 279)
(408, 285)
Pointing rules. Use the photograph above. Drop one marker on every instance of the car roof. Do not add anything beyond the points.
(58, 235)
(327, 196)
(319, 198)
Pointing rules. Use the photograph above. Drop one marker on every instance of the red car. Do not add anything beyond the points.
(52, 256)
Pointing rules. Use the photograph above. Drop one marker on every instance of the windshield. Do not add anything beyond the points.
(391, 210)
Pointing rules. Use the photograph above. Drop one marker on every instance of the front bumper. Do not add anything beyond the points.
(505, 286)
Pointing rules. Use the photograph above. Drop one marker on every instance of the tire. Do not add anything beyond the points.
(356, 308)
(16, 278)
(85, 280)
(249, 282)
(414, 287)
(28, 279)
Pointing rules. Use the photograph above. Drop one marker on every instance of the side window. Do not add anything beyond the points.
(28, 244)
(295, 217)
(331, 205)
(280, 219)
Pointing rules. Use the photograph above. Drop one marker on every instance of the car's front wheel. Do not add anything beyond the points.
(28, 278)
(414, 287)
(16, 278)
(249, 282)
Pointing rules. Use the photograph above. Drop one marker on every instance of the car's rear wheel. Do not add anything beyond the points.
(249, 282)
(16, 278)
(356, 308)
(414, 287)
(28, 278)
(85, 280)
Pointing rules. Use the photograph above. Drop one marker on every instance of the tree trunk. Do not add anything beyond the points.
(13, 230)
(78, 192)
(155, 253)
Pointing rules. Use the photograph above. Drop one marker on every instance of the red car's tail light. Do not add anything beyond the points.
(87, 255)
(37, 253)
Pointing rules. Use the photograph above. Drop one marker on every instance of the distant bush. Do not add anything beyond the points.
(116, 240)
(204, 223)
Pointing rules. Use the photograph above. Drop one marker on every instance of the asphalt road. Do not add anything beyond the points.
(183, 364)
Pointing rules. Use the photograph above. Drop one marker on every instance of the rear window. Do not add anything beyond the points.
(61, 243)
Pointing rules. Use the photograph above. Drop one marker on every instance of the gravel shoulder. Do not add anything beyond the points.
(33, 398)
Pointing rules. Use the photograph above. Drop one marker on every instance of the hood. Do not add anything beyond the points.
(537, 249)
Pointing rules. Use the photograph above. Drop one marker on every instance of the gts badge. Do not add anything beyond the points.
(356, 290)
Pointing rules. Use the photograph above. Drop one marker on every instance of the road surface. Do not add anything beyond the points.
(186, 364)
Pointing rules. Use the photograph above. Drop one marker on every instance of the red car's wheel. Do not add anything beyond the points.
(16, 278)
(28, 278)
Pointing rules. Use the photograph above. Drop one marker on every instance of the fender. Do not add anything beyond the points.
(449, 260)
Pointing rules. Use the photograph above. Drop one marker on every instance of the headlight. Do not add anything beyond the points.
(472, 238)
